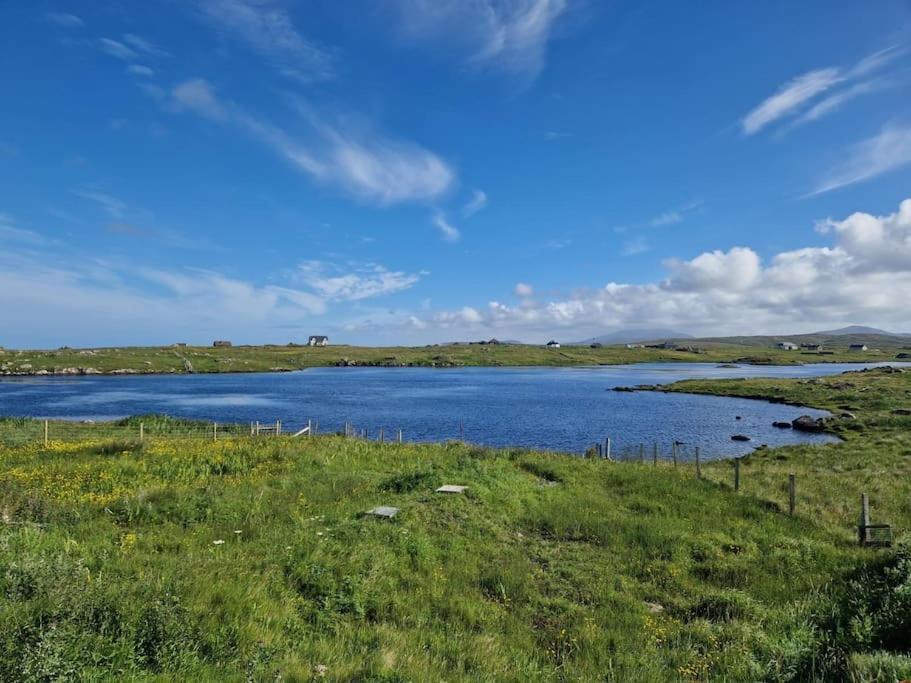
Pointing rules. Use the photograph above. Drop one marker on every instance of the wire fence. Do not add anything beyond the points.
(20, 431)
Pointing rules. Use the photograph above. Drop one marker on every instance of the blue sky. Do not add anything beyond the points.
(428, 170)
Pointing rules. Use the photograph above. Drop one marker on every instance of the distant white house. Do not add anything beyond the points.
(553, 344)
(318, 340)
(786, 346)
(858, 347)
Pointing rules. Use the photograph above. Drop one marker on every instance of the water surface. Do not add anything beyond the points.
(564, 409)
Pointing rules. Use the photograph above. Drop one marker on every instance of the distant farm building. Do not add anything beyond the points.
(318, 340)
(553, 344)
(221, 343)
(635, 346)
(858, 347)
(811, 347)
(494, 341)
(786, 346)
(180, 345)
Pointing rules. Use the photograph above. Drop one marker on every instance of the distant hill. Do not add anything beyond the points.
(858, 330)
(634, 335)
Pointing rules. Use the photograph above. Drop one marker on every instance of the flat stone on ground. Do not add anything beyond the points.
(383, 511)
(451, 488)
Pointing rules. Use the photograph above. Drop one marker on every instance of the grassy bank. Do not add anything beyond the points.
(249, 559)
(174, 359)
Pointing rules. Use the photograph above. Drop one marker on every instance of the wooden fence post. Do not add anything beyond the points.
(698, 468)
(141, 432)
(45, 432)
(864, 532)
(736, 474)
(655, 454)
(382, 435)
(257, 428)
(214, 431)
(607, 448)
(400, 436)
(278, 427)
(309, 428)
(792, 494)
(641, 453)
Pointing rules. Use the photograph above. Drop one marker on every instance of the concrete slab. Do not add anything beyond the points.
(383, 511)
(451, 488)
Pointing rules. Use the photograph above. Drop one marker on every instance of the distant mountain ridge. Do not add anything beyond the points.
(634, 335)
(860, 329)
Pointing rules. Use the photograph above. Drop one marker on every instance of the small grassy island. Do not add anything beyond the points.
(251, 558)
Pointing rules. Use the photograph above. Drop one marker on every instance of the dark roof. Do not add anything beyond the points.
(318, 336)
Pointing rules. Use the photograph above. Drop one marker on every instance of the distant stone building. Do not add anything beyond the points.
(786, 346)
(318, 340)
(553, 344)
(858, 347)
(221, 343)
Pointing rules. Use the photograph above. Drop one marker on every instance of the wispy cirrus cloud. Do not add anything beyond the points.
(887, 151)
(795, 95)
(267, 28)
(337, 283)
(364, 164)
(477, 202)
(64, 19)
(117, 49)
(449, 232)
(506, 35)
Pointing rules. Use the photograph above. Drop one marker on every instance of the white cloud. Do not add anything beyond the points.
(370, 166)
(524, 290)
(92, 302)
(799, 92)
(140, 70)
(333, 283)
(64, 19)
(864, 276)
(140, 44)
(111, 205)
(508, 35)
(450, 232)
(117, 49)
(666, 218)
(637, 245)
(887, 151)
(198, 96)
(477, 202)
(267, 28)
(789, 97)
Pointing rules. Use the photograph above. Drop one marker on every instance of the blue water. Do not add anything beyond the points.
(565, 409)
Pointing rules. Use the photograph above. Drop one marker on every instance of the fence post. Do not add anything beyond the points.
(309, 428)
(214, 431)
(864, 532)
(655, 454)
(607, 448)
(736, 474)
(641, 453)
(698, 467)
(792, 494)
(278, 427)
(400, 436)
(674, 452)
(382, 436)
(141, 432)
(45, 433)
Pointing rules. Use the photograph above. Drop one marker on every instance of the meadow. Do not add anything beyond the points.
(274, 358)
(251, 559)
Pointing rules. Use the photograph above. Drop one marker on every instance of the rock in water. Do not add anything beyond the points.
(805, 423)
(740, 437)
(781, 425)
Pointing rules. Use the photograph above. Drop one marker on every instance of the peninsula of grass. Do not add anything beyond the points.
(251, 558)
(272, 358)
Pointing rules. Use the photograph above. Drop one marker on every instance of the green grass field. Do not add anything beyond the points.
(249, 559)
(173, 359)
